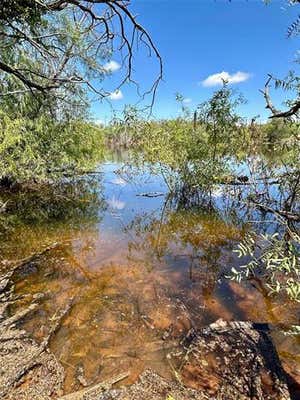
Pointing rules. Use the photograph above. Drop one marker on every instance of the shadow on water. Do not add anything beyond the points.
(139, 269)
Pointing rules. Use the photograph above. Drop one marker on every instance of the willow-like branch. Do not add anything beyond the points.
(58, 59)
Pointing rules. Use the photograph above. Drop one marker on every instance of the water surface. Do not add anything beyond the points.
(141, 273)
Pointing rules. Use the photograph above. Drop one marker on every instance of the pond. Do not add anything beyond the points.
(141, 273)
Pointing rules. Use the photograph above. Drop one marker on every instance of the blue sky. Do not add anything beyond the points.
(200, 38)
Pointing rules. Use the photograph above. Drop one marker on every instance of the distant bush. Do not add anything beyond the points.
(43, 149)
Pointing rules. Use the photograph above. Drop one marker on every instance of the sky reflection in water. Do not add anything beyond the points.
(139, 269)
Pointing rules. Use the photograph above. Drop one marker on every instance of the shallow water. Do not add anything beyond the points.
(139, 270)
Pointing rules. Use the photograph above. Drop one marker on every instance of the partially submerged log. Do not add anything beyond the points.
(151, 194)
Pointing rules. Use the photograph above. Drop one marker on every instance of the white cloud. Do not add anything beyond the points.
(119, 181)
(99, 122)
(116, 204)
(116, 95)
(111, 66)
(218, 192)
(187, 100)
(217, 79)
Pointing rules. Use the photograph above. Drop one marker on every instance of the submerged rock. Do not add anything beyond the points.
(234, 360)
(224, 361)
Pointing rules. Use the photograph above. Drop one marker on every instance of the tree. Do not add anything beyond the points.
(53, 47)
(53, 54)
(290, 83)
(44, 150)
(219, 116)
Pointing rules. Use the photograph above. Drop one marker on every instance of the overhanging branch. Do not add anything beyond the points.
(292, 111)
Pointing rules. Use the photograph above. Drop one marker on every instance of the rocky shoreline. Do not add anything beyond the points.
(225, 360)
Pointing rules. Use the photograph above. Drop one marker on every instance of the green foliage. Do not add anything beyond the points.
(44, 149)
(122, 131)
(219, 112)
(291, 84)
(61, 49)
(198, 161)
(47, 46)
(21, 11)
(194, 157)
(75, 200)
(277, 258)
(278, 143)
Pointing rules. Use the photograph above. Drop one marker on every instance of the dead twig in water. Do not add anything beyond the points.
(280, 213)
(19, 315)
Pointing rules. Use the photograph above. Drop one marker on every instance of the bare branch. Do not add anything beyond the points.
(266, 94)
(62, 60)
(292, 111)
(288, 113)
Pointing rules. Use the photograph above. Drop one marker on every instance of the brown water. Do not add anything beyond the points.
(139, 272)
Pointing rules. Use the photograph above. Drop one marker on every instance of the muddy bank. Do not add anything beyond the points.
(226, 360)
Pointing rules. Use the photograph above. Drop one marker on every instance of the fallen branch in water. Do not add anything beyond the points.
(153, 194)
(19, 315)
(281, 213)
(237, 183)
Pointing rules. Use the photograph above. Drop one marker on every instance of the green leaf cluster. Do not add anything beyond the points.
(276, 257)
(44, 149)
